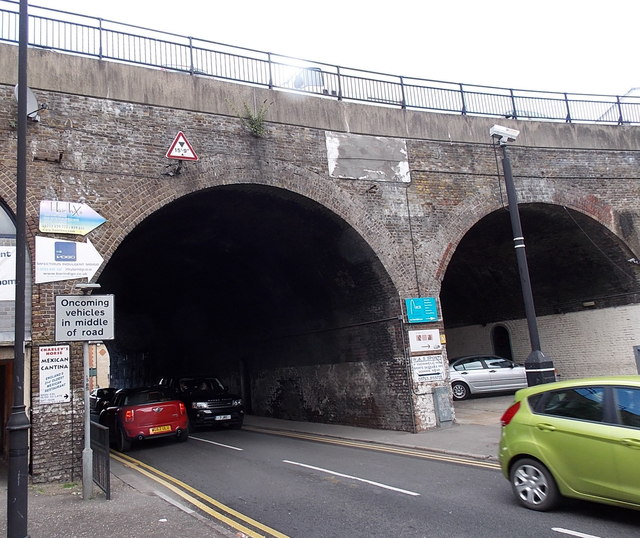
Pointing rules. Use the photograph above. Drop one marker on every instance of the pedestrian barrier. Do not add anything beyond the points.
(101, 457)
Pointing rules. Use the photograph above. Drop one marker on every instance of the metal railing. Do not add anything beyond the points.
(114, 41)
(101, 457)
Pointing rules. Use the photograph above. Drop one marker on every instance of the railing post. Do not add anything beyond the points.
(464, 102)
(403, 103)
(100, 36)
(566, 104)
(270, 70)
(191, 68)
(339, 83)
(620, 118)
(514, 110)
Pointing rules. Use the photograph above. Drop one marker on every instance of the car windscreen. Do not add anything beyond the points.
(147, 396)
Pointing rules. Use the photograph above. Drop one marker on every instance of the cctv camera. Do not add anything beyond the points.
(505, 134)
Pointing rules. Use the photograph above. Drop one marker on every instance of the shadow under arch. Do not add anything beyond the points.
(572, 259)
(267, 288)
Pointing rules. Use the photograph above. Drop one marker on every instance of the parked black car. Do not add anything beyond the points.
(99, 399)
(208, 401)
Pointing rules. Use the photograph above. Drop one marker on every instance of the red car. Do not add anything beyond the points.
(144, 413)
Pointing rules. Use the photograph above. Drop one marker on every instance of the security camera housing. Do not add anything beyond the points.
(505, 134)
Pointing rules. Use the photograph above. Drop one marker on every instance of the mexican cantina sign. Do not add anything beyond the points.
(54, 374)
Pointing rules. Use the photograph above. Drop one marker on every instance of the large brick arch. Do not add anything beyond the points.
(475, 208)
(146, 198)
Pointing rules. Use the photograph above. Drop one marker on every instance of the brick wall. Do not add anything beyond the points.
(581, 344)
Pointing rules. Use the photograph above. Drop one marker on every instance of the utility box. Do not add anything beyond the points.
(442, 403)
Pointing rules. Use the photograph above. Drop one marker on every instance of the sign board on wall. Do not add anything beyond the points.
(68, 217)
(54, 374)
(65, 260)
(7, 273)
(427, 368)
(425, 340)
(84, 317)
(422, 309)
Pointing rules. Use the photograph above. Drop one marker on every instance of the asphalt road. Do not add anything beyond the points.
(310, 489)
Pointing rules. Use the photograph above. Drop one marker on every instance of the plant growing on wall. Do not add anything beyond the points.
(254, 120)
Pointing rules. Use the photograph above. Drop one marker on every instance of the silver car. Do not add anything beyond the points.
(478, 374)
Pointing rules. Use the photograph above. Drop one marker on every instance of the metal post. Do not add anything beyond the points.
(18, 424)
(87, 453)
(539, 368)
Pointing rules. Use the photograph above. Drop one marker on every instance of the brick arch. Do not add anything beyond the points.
(475, 208)
(146, 198)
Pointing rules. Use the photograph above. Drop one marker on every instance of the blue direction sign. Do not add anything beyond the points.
(422, 309)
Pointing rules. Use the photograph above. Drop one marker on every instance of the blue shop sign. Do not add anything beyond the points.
(422, 309)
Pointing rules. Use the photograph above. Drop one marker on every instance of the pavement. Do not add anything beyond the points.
(140, 507)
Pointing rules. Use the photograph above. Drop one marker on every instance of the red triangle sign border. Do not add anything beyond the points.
(186, 154)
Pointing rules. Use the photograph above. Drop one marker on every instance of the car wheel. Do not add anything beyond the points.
(184, 435)
(460, 390)
(533, 485)
(124, 443)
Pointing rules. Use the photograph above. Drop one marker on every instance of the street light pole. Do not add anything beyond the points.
(539, 368)
(18, 423)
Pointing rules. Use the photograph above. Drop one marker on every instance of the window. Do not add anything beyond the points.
(586, 403)
(498, 363)
(469, 364)
(627, 401)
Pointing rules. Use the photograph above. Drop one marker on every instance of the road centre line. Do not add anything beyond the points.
(214, 443)
(335, 473)
(573, 533)
(417, 453)
(180, 488)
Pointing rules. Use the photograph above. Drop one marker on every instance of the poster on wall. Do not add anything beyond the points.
(7, 273)
(427, 368)
(54, 374)
(425, 340)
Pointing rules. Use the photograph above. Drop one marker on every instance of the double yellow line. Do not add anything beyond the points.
(210, 506)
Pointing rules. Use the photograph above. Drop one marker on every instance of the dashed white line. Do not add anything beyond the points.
(214, 443)
(377, 484)
(573, 533)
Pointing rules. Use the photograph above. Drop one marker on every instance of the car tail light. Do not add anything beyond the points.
(128, 415)
(182, 408)
(509, 414)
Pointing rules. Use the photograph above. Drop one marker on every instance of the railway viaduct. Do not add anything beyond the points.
(283, 261)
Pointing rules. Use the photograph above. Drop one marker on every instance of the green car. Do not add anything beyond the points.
(578, 438)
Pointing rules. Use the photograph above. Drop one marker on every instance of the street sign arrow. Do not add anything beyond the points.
(65, 260)
(68, 217)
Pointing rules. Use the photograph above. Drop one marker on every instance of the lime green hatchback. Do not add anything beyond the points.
(578, 438)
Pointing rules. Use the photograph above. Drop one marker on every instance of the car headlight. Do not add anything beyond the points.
(236, 403)
(198, 405)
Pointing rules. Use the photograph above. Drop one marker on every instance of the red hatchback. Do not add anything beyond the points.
(144, 413)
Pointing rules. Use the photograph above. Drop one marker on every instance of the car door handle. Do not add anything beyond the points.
(546, 427)
(631, 443)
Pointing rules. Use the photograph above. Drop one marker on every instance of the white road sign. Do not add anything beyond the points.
(427, 340)
(84, 317)
(65, 260)
(54, 374)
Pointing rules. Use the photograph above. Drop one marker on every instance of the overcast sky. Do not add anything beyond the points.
(557, 45)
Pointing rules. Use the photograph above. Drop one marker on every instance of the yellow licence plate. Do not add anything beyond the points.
(159, 429)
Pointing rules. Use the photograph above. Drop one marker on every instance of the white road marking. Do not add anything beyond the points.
(214, 443)
(174, 503)
(378, 484)
(573, 533)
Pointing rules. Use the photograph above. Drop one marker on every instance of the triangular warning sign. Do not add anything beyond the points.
(181, 149)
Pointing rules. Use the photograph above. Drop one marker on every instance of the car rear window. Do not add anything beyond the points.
(138, 398)
(627, 402)
(584, 403)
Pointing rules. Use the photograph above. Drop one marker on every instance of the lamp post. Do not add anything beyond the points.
(539, 368)
(18, 423)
